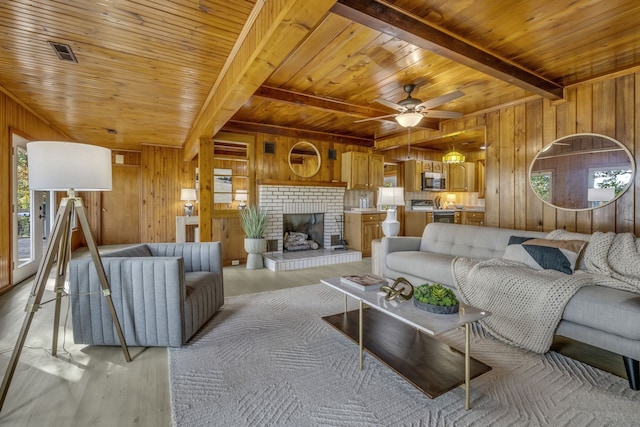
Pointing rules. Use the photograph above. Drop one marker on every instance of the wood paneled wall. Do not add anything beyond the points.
(276, 166)
(14, 117)
(164, 174)
(515, 134)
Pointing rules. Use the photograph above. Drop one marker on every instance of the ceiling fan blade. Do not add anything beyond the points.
(436, 102)
(439, 114)
(390, 104)
(375, 118)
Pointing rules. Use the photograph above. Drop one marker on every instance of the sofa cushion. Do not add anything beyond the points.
(542, 254)
(469, 240)
(606, 309)
(432, 267)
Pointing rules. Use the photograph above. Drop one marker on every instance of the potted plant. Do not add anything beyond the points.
(435, 298)
(254, 223)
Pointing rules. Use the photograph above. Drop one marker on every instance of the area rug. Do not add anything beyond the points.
(268, 359)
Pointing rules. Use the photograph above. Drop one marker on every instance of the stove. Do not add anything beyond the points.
(422, 205)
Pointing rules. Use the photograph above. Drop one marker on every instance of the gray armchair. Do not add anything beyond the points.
(162, 292)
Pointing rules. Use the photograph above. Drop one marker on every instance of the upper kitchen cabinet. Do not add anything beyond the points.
(413, 172)
(481, 178)
(462, 176)
(362, 171)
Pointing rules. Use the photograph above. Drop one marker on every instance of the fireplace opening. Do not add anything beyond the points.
(303, 232)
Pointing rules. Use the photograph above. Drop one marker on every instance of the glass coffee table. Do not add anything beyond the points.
(400, 335)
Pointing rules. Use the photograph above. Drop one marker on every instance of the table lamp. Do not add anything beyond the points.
(187, 195)
(391, 197)
(241, 196)
(70, 167)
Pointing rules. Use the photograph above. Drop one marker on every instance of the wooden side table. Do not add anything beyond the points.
(181, 228)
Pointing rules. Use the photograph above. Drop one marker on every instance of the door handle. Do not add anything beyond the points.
(104, 210)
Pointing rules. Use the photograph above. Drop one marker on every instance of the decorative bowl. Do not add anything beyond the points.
(459, 206)
(437, 309)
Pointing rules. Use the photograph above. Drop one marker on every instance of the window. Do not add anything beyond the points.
(542, 183)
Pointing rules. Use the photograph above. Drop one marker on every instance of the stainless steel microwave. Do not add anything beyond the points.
(432, 181)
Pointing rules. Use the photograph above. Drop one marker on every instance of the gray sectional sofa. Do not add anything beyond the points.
(162, 292)
(601, 316)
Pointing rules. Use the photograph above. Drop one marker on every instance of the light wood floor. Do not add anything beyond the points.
(95, 386)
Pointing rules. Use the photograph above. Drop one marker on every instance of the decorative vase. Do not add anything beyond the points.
(391, 225)
(437, 309)
(255, 248)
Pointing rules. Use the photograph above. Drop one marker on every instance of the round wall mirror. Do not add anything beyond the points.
(304, 159)
(582, 171)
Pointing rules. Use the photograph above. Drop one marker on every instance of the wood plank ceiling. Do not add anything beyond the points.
(146, 69)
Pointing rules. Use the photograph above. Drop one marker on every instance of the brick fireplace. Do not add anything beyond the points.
(282, 199)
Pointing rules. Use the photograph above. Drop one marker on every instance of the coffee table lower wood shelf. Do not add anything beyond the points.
(430, 365)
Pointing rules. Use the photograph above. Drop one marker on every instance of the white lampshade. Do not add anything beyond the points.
(408, 120)
(188, 194)
(391, 196)
(61, 166)
(600, 194)
(241, 196)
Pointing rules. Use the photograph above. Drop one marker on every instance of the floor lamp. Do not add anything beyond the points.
(64, 166)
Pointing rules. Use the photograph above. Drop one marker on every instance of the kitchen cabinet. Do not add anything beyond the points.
(481, 178)
(413, 172)
(462, 176)
(360, 229)
(362, 171)
(472, 218)
(415, 222)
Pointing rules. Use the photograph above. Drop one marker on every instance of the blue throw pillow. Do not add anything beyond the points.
(542, 254)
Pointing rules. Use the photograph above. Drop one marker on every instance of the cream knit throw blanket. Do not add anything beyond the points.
(527, 304)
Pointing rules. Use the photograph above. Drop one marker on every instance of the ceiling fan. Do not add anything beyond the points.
(412, 110)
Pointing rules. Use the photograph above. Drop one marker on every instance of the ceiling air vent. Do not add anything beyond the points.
(64, 52)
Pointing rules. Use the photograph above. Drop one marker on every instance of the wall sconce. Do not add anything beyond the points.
(241, 196)
(188, 194)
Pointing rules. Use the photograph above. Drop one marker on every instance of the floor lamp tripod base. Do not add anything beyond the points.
(60, 241)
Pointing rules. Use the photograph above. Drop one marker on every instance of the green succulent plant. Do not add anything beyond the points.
(254, 222)
(435, 294)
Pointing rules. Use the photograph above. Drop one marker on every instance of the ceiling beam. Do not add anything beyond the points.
(332, 105)
(239, 126)
(273, 30)
(408, 28)
(327, 104)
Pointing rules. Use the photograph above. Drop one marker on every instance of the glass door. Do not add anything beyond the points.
(31, 219)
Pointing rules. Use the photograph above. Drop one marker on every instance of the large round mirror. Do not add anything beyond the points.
(581, 171)
(304, 159)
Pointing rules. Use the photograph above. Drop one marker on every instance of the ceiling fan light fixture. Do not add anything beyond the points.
(408, 120)
(453, 157)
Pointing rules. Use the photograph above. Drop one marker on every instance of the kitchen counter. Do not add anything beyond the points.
(465, 209)
(363, 211)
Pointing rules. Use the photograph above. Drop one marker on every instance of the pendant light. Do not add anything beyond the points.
(453, 157)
